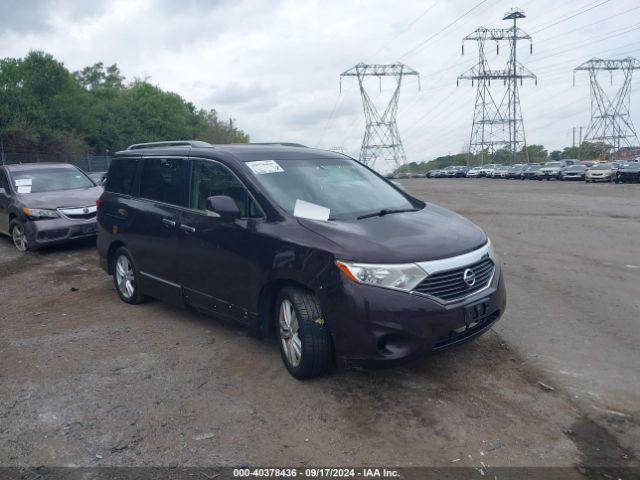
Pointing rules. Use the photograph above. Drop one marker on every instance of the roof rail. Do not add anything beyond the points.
(173, 143)
(282, 144)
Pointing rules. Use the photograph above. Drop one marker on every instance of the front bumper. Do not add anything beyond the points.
(600, 178)
(58, 230)
(374, 326)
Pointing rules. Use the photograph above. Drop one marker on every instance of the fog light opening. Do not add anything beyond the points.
(393, 344)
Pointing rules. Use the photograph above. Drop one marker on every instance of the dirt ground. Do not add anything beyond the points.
(88, 380)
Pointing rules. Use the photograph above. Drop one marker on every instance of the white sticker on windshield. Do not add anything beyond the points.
(23, 182)
(311, 211)
(264, 166)
(24, 188)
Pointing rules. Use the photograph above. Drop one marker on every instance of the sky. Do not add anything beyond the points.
(274, 66)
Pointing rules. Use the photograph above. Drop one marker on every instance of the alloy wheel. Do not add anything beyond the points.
(125, 277)
(19, 238)
(289, 333)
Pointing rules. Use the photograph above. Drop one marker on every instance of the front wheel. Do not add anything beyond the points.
(18, 235)
(305, 341)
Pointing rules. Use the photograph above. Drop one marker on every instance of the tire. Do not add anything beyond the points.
(18, 235)
(305, 341)
(125, 277)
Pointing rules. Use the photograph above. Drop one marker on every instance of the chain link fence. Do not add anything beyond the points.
(88, 163)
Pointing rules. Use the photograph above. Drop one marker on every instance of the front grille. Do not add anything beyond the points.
(52, 234)
(450, 285)
(82, 216)
(80, 213)
(470, 330)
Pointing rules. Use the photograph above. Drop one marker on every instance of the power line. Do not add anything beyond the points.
(570, 17)
(424, 42)
(597, 40)
(427, 10)
(326, 125)
(602, 20)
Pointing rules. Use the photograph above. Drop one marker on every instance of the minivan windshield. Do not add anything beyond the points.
(345, 187)
(44, 179)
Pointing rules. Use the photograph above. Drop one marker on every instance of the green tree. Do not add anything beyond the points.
(46, 108)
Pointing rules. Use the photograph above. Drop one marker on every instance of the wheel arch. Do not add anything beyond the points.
(112, 249)
(266, 303)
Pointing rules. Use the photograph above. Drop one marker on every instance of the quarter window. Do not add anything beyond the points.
(4, 183)
(122, 172)
(162, 180)
(210, 179)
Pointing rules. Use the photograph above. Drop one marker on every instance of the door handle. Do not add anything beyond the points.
(168, 222)
(187, 228)
(123, 211)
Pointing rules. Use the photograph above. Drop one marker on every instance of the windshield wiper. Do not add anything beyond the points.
(387, 211)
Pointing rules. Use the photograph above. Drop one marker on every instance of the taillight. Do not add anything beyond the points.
(98, 203)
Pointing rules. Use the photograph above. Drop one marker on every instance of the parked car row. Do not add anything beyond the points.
(563, 170)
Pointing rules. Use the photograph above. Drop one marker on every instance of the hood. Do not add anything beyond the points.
(429, 234)
(81, 197)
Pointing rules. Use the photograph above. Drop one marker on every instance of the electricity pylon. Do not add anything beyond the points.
(488, 127)
(381, 145)
(496, 125)
(610, 122)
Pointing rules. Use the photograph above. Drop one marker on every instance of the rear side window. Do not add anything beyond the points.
(162, 180)
(122, 172)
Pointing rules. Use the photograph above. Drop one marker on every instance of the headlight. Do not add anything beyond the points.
(492, 252)
(398, 277)
(36, 213)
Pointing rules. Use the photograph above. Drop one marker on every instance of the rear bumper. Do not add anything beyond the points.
(54, 231)
(376, 327)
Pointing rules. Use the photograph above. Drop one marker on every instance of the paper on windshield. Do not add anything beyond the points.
(264, 166)
(311, 211)
(23, 185)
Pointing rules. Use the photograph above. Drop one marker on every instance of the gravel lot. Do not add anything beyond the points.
(88, 380)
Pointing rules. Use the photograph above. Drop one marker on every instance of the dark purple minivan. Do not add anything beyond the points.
(310, 244)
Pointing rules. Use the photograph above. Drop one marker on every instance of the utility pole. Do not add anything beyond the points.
(381, 145)
(610, 123)
(497, 123)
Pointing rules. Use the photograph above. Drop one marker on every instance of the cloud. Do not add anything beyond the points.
(274, 65)
(35, 16)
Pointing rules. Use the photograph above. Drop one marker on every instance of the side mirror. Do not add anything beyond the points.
(223, 207)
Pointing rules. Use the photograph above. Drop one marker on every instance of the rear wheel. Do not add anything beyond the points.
(18, 235)
(125, 277)
(305, 341)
